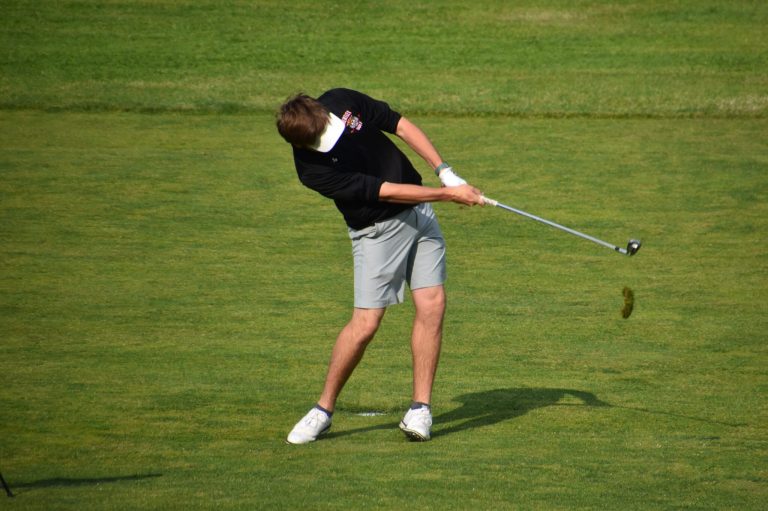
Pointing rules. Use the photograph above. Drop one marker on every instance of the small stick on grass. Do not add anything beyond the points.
(629, 303)
(5, 485)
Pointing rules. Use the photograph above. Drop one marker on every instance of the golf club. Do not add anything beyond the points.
(632, 246)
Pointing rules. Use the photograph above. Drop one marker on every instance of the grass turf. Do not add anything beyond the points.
(166, 320)
(169, 293)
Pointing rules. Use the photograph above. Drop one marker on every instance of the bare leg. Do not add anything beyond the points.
(348, 351)
(426, 339)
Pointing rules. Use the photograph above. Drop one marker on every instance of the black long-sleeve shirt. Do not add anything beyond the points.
(363, 158)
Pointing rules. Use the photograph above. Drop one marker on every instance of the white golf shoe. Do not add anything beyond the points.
(311, 426)
(417, 423)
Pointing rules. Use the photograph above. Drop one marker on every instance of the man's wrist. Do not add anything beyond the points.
(449, 178)
(446, 194)
(441, 168)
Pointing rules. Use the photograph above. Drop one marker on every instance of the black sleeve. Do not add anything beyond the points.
(343, 186)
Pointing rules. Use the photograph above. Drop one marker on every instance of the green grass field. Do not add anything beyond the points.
(169, 292)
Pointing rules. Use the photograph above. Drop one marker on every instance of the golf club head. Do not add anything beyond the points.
(632, 247)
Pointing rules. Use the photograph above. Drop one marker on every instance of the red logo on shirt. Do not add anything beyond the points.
(352, 122)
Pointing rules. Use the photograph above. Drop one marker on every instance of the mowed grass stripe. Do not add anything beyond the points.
(628, 59)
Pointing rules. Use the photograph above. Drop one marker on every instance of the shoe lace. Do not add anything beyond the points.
(422, 414)
(313, 419)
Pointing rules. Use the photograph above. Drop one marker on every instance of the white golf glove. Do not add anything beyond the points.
(448, 177)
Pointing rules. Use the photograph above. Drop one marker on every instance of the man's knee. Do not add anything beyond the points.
(430, 301)
(366, 322)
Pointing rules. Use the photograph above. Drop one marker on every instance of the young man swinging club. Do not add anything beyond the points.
(340, 151)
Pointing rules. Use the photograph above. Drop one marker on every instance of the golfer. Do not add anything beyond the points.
(341, 151)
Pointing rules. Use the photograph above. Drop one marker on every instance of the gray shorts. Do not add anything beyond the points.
(407, 248)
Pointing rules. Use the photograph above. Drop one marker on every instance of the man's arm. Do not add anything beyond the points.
(418, 141)
(415, 194)
(412, 194)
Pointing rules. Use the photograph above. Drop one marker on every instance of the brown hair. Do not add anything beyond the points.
(301, 120)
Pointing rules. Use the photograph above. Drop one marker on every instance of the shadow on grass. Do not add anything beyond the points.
(485, 408)
(491, 407)
(65, 482)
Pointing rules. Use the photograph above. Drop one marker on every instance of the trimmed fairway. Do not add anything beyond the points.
(169, 292)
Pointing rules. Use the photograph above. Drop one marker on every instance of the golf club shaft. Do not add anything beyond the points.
(555, 225)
